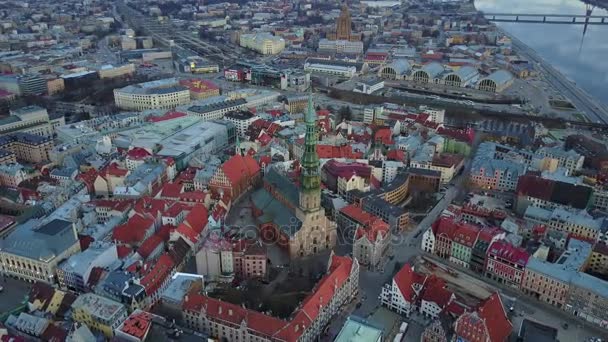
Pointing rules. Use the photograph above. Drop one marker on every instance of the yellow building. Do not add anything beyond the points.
(109, 71)
(27, 147)
(99, 313)
(55, 85)
(598, 261)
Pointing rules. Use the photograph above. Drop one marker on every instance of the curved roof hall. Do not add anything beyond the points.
(500, 77)
(433, 69)
(401, 66)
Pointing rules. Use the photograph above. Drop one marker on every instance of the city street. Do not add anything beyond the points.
(405, 247)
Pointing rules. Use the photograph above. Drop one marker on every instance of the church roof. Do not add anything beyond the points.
(276, 212)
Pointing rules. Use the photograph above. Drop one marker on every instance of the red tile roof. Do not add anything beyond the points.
(42, 292)
(396, 154)
(158, 274)
(343, 151)
(405, 280)
(238, 167)
(235, 314)
(113, 170)
(507, 251)
(85, 241)
(493, 313)
(455, 308)
(53, 333)
(171, 190)
(467, 135)
(197, 218)
(346, 170)
(149, 245)
(165, 232)
(445, 226)
(137, 324)
(123, 251)
(167, 116)
(133, 231)
(435, 291)
(357, 214)
(194, 223)
(152, 206)
(138, 153)
(193, 196)
(176, 209)
(374, 230)
(535, 186)
(466, 234)
(384, 135)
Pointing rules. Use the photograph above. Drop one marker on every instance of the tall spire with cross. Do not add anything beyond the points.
(310, 180)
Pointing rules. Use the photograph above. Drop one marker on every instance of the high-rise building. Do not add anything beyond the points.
(343, 29)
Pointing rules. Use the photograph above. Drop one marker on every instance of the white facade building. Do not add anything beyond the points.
(263, 42)
(334, 70)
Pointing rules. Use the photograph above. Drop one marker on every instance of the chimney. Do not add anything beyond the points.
(220, 309)
(229, 312)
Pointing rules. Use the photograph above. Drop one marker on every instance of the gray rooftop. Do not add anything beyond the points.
(41, 242)
(568, 267)
(179, 285)
(286, 186)
(500, 77)
(276, 212)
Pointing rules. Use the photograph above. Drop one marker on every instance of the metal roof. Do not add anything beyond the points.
(401, 66)
(500, 77)
(433, 69)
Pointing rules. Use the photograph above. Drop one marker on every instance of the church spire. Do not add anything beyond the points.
(310, 179)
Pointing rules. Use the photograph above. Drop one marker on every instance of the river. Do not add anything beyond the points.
(583, 60)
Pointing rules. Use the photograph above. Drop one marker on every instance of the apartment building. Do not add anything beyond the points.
(577, 223)
(506, 263)
(340, 46)
(241, 120)
(568, 159)
(12, 175)
(98, 313)
(73, 273)
(30, 119)
(216, 110)
(371, 235)
(160, 94)
(28, 147)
